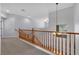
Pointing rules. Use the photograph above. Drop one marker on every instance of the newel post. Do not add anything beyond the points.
(32, 34)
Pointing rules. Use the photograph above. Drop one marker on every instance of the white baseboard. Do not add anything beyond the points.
(42, 49)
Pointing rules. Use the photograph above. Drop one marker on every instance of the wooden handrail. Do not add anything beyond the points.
(37, 30)
(59, 40)
(49, 31)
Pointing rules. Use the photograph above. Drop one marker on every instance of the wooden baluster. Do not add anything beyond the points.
(41, 36)
(58, 45)
(66, 46)
(58, 42)
(32, 35)
(19, 33)
(42, 39)
(62, 45)
(53, 42)
(74, 45)
(45, 40)
(48, 39)
(70, 44)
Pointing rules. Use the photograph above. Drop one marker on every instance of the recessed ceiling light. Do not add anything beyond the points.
(27, 20)
(7, 10)
(28, 16)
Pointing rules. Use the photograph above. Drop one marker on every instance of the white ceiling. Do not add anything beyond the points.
(33, 10)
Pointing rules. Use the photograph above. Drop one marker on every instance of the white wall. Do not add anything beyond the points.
(9, 26)
(16, 21)
(27, 22)
(76, 17)
(76, 22)
(65, 16)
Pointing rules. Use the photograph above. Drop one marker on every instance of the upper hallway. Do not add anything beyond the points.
(39, 15)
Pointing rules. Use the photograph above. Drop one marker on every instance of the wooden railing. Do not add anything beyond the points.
(60, 43)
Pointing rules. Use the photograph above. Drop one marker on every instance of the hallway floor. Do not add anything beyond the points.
(16, 47)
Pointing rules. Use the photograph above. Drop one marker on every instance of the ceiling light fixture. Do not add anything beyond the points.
(28, 16)
(57, 26)
(27, 20)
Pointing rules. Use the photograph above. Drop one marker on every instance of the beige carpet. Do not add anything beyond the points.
(16, 47)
